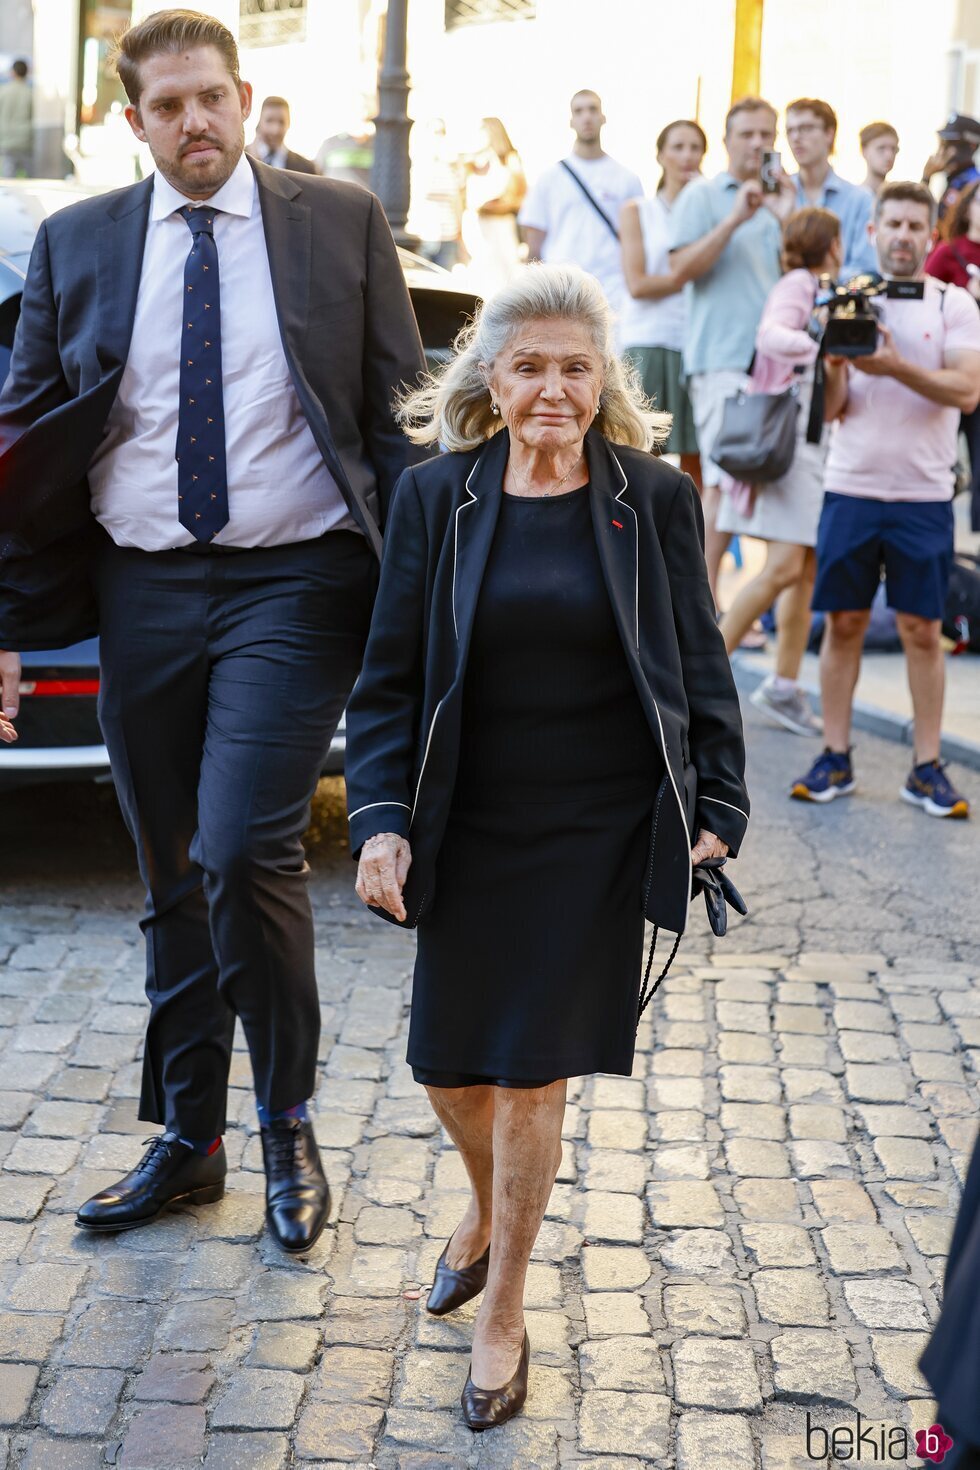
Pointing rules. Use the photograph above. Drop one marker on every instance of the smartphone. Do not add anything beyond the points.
(770, 169)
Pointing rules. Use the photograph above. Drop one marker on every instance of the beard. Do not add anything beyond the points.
(201, 178)
(905, 267)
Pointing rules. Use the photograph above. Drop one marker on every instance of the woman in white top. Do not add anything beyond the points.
(654, 316)
(494, 191)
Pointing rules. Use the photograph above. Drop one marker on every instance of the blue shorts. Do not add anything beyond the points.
(910, 541)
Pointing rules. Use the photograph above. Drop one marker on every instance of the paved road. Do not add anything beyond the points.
(748, 1232)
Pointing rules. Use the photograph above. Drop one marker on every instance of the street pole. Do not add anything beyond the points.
(747, 51)
(391, 167)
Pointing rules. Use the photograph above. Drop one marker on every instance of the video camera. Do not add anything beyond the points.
(853, 312)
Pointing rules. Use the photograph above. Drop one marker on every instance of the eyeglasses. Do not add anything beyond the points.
(803, 128)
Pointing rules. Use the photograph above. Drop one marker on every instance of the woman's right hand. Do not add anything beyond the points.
(381, 872)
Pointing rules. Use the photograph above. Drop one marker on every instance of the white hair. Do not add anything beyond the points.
(452, 406)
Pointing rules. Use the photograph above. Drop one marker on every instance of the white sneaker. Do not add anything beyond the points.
(789, 708)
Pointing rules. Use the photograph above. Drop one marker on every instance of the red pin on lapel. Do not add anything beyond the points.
(618, 525)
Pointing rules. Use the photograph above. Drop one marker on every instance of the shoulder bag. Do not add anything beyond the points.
(757, 439)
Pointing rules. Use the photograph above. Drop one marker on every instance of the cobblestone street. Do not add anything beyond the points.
(746, 1235)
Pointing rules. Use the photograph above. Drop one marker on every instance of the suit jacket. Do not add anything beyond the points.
(348, 333)
(295, 162)
(403, 718)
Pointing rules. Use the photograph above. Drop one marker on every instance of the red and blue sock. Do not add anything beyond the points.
(201, 1145)
(298, 1111)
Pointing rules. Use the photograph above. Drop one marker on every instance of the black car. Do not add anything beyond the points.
(59, 736)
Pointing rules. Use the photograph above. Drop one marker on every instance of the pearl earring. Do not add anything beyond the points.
(494, 410)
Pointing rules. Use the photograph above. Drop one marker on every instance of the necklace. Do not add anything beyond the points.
(555, 488)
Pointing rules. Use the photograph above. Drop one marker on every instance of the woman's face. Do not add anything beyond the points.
(680, 157)
(547, 382)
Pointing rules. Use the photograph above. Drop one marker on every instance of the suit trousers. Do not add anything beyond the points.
(223, 680)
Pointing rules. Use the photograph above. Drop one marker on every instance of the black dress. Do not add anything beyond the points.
(529, 960)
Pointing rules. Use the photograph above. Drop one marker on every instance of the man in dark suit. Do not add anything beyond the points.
(269, 143)
(196, 455)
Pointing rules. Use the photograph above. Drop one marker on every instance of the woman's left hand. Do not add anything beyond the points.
(708, 846)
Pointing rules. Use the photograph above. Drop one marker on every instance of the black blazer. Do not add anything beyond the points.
(403, 719)
(348, 333)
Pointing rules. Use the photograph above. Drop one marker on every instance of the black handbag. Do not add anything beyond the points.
(757, 439)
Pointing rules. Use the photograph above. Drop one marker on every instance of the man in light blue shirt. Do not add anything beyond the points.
(726, 237)
(811, 128)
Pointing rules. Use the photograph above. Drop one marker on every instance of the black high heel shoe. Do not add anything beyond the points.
(450, 1289)
(484, 1408)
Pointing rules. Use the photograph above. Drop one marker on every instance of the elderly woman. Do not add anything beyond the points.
(544, 726)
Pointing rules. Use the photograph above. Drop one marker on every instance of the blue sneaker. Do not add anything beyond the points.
(830, 775)
(929, 787)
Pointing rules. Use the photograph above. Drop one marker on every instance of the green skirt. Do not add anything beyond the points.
(660, 373)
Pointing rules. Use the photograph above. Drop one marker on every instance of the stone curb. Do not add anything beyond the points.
(870, 717)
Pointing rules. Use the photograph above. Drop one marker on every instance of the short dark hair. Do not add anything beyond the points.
(820, 109)
(173, 31)
(807, 236)
(273, 102)
(876, 130)
(906, 191)
(748, 104)
(19, 69)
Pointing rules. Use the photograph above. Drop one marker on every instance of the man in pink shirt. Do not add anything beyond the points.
(887, 508)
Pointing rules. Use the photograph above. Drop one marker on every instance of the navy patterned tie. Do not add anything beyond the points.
(202, 481)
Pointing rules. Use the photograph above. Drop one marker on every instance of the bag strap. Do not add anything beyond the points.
(647, 991)
(814, 427)
(590, 197)
(958, 254)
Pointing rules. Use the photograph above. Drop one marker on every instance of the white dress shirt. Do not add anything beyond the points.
(279, 489)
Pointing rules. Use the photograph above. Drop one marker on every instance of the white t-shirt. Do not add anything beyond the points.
(891, 443)
(574, 232)
(654, 323)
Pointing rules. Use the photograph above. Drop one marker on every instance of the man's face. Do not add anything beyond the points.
(880, 155)
(191, 116)
(273, 126)
(750, 134)
(587, 118)
(903, 233)
(809, 139)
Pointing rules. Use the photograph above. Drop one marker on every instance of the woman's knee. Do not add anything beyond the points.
(784, 568)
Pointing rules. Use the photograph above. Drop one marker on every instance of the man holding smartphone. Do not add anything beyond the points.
(726, 235)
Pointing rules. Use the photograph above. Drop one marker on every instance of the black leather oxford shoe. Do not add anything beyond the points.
(297, 1196)
(169, 1173)
(485, 1408)
(450, 1289)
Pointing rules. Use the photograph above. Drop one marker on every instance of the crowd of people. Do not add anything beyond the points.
(714, 285)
